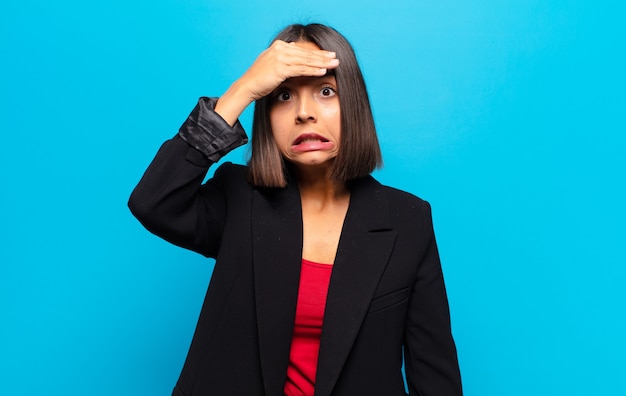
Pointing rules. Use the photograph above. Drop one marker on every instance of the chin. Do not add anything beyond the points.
(319, 161)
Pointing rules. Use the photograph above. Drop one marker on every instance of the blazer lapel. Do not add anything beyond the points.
(277, 255)
(364, 249)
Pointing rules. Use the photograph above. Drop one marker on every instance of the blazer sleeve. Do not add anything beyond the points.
(170, 199)
(431, 363)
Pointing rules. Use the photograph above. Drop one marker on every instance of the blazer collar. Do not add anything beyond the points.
(366, 243)
(276, 254)
(364, 248)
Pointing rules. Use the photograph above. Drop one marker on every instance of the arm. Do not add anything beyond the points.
(170, 200)
(430, 354)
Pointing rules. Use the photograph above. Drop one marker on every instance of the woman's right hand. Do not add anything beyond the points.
(273, 66)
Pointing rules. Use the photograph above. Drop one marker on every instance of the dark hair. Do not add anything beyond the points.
(359, 151)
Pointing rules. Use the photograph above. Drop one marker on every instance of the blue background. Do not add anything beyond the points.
(508, 116)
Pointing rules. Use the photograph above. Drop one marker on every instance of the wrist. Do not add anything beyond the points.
(233, 102)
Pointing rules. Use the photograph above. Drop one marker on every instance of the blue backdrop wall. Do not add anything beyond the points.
(508, 116)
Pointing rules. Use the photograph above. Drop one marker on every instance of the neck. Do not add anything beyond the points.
(317, 188)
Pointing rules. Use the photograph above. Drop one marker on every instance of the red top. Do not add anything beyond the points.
(305, 345)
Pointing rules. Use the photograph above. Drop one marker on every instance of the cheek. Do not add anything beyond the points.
(331, 112)
(278, 117)
(333, 115)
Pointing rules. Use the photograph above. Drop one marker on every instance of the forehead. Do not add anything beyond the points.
(312, 82)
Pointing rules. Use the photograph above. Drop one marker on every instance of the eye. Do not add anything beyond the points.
(328, 92)
(283, 96)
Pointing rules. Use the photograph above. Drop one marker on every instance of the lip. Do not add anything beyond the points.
(311, 141)
(309, 137)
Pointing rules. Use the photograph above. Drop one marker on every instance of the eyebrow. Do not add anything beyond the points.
(323, 79)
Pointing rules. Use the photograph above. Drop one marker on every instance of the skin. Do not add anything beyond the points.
(273, 66)
(306, 124)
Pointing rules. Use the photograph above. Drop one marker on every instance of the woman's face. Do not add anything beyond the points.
(305, 119)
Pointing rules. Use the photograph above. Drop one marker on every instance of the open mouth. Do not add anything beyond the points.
(309, 137)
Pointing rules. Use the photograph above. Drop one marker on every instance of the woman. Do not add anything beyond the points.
(324, 279)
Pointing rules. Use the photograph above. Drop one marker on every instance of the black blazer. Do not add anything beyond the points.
(386, 298)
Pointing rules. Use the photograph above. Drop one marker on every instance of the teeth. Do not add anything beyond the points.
(311, 139)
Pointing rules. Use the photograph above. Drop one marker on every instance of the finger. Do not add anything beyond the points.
(307, 71)
(315, 57)
(310, 68)
(306, 56)
(314, 53)
(294, 45)
(309, 59)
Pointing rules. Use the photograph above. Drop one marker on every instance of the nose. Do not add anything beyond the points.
(305, 111)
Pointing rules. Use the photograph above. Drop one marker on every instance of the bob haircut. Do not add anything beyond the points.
(359, 152)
